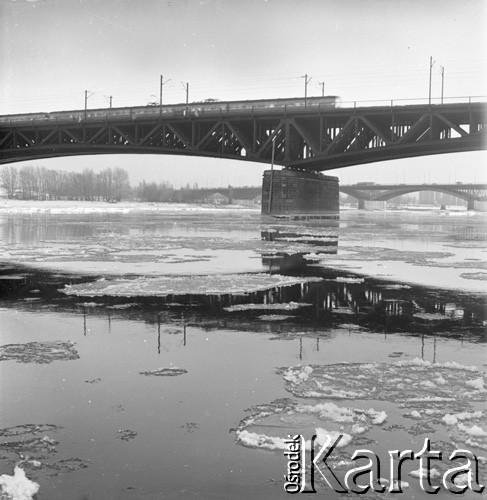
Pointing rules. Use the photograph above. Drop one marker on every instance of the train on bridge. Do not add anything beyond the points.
(210, 108)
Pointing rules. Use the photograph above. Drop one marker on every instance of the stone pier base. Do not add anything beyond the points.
(299, 193)
(371, 205)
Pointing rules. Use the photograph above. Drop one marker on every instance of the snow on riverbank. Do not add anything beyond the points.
(93, 207)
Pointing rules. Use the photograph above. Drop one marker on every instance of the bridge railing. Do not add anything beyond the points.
(413, 101)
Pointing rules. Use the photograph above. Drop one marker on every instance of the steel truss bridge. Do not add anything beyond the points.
(383, 192)
(314, 135)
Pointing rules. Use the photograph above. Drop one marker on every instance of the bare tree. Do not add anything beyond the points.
(9, 180)
(121, 186)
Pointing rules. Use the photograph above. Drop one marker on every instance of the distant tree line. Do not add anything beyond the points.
(39, 183)
(110, 184)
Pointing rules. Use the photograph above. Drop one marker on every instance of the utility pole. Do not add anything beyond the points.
(322, 84)
(109, 99)
(160, 93)
(162, 83)
(306, 81)
(187, 95)
(431, 69)
(442, 82)
(86, 101)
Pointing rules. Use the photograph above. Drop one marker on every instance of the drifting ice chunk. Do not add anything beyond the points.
(434, 472)
(17, 487)
(285, 306)
(379, 381)
(254, 440)
(39, 352)
(287, 417)
(477, 383)
(298, 374)
(323, 436)
(165, 372)
(475, 430)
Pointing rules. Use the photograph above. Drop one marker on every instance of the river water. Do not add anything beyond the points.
(165, 351)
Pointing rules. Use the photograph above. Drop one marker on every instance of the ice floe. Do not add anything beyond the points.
(422, 473)
(165, 372)
(425, 382)
(33, 447)
(453, 419)
(346, 279)
(236, 284)
(39, 352)
(284, 306)
(126, 434)
(255, 440)
(325, 420)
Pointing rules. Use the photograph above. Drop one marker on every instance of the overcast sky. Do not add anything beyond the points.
(52, 50)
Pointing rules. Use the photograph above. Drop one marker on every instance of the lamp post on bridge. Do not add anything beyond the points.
(442, 82)
(306, 81)
(186, 86)
(86, 101)
(322, 85)
(431, 69)
(162, 83)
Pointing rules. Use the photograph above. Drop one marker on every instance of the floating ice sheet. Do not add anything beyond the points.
(284, 306)
(184, 285)
(412, 381)
(39, 352)
(269, 425)
(165, 372)
(33, 447)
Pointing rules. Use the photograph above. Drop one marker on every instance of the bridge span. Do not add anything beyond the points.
(371, 192)
(314, 134)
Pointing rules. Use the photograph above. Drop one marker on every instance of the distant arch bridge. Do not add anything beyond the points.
(314, 134)
(368, 191)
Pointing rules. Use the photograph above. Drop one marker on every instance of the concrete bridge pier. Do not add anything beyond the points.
(371, 205)
(478, 205)
(300, 193)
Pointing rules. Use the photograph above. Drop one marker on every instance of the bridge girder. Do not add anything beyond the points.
(309, 139)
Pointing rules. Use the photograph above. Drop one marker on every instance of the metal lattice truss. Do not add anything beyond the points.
(381, 192)
(309, 139)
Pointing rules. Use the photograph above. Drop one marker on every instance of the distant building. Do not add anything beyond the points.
(248, 202)
(217, 199)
